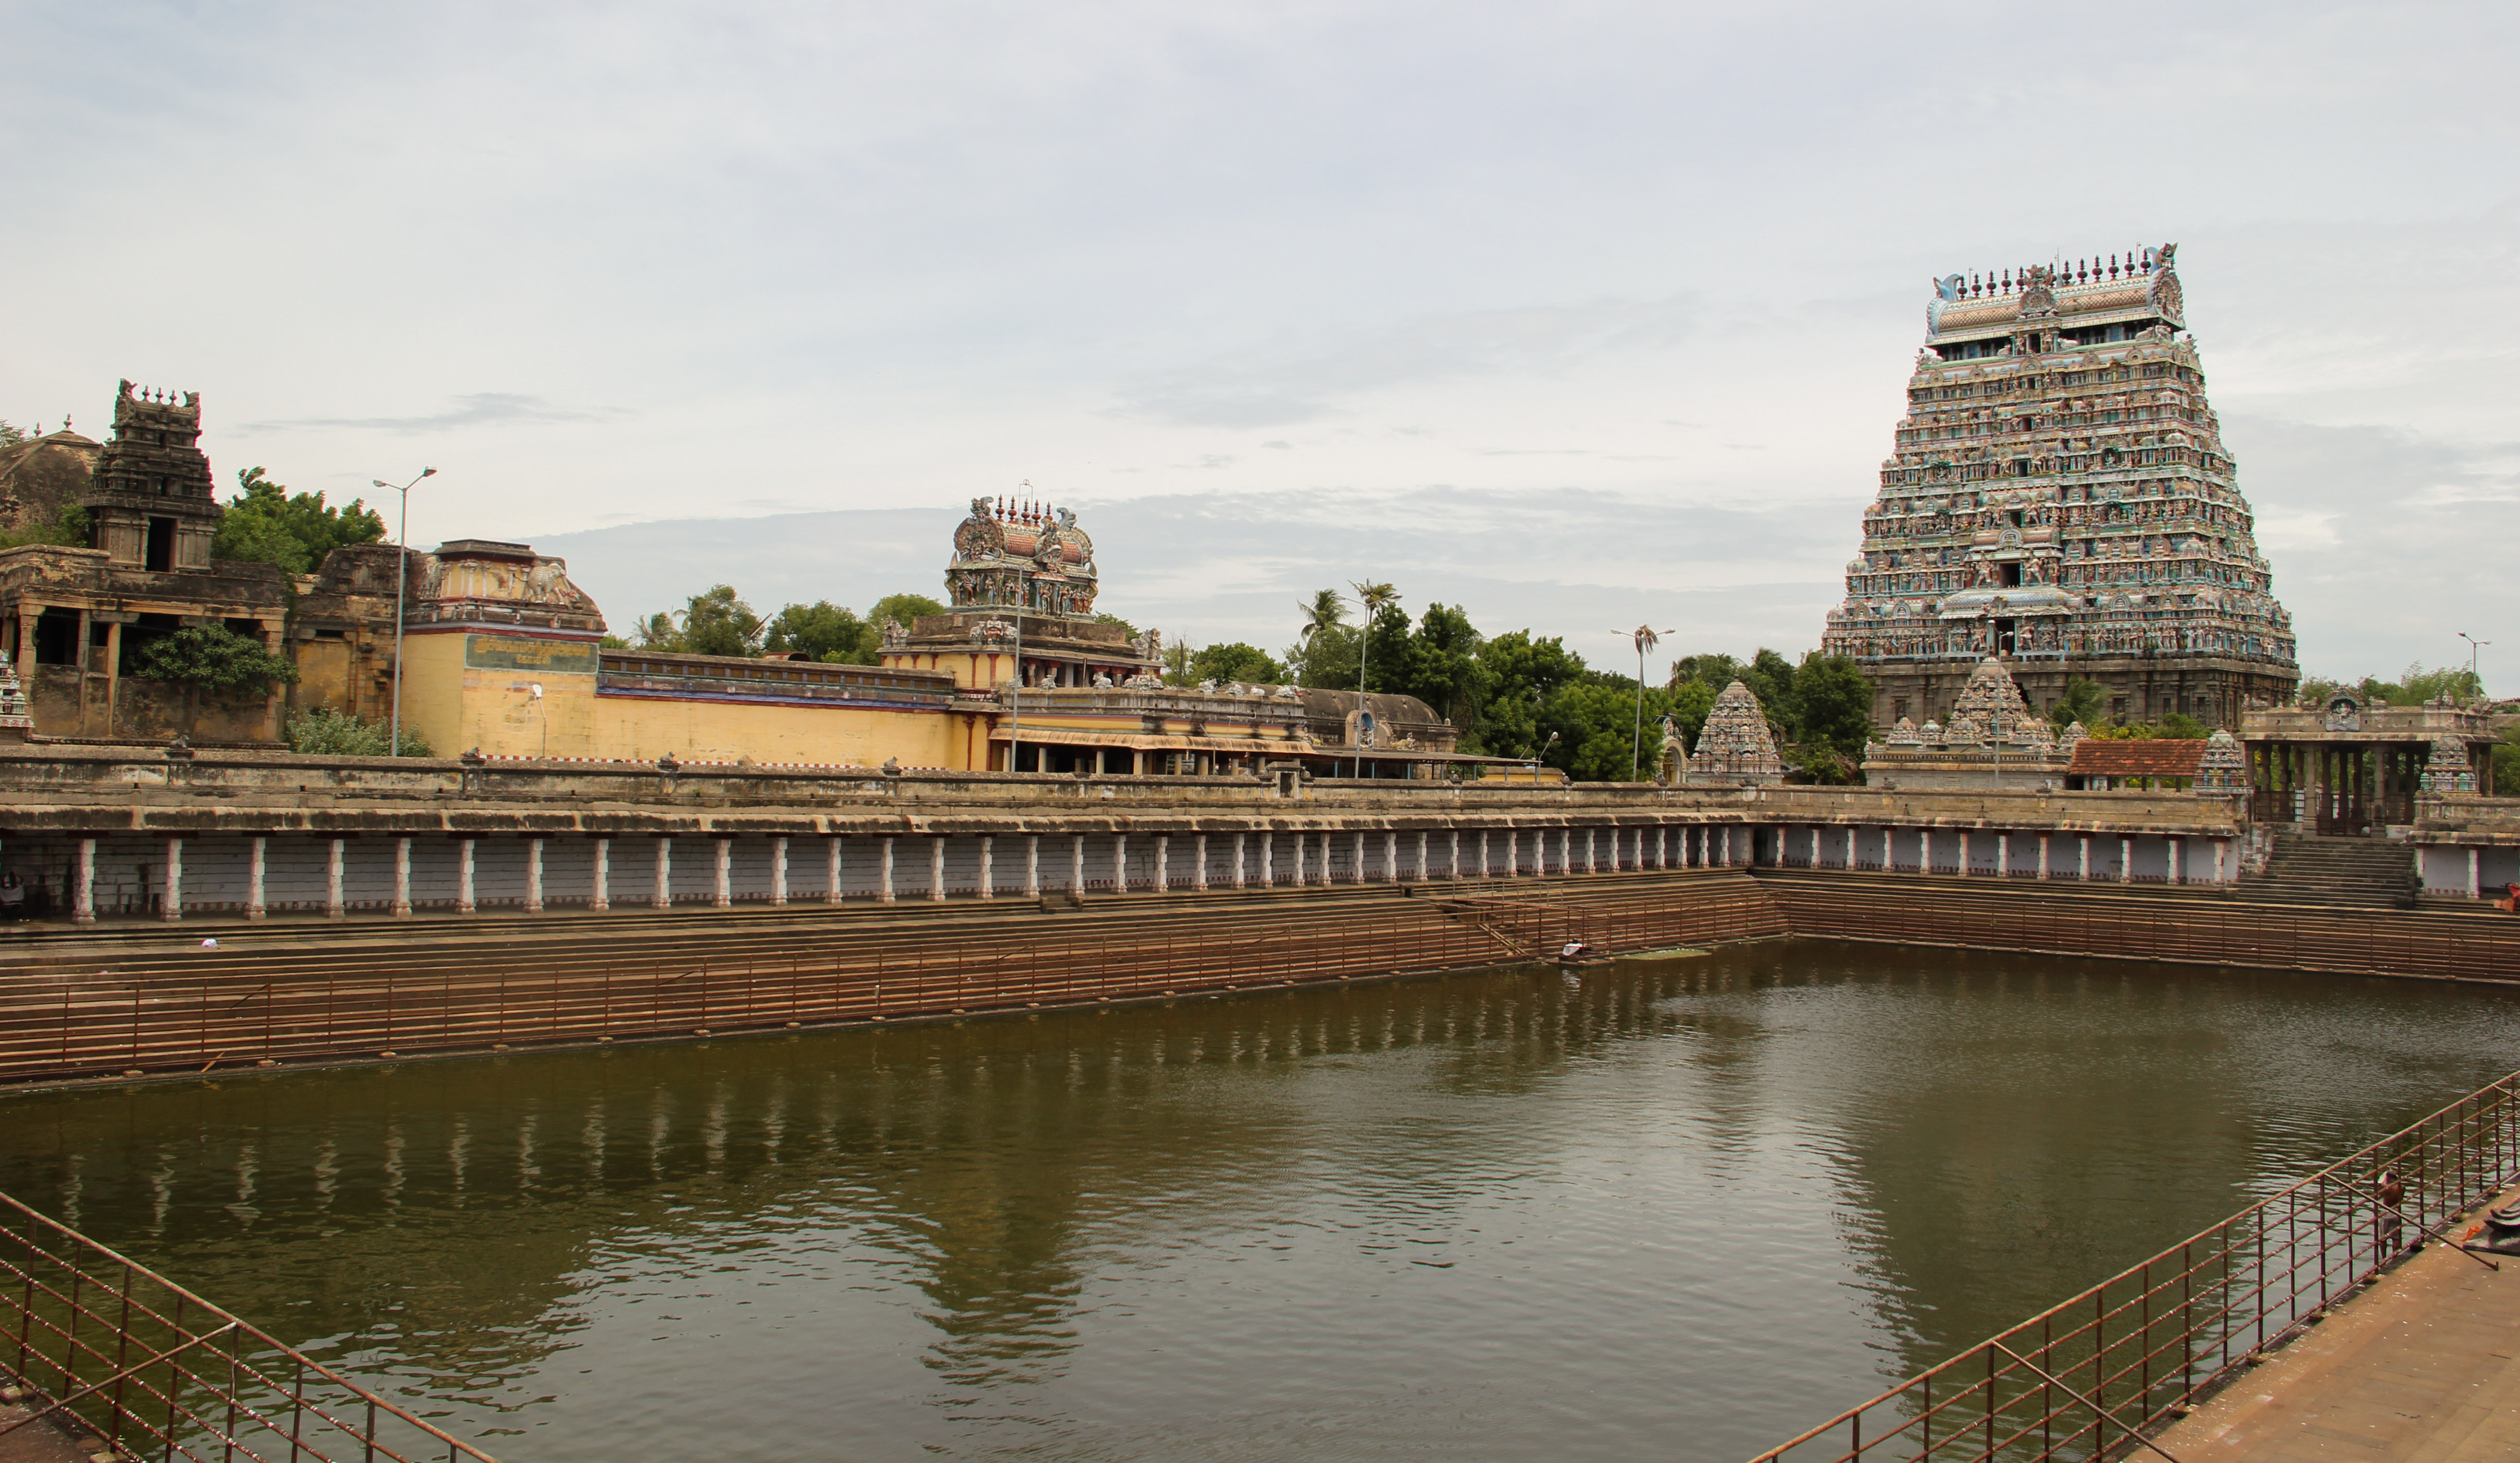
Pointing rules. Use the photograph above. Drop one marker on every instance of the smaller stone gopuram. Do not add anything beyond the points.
(1735, 748)
(1994, 740)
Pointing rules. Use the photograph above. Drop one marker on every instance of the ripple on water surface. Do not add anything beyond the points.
(1680, 1207)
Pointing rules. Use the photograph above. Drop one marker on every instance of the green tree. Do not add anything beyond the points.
(1832, 706)
(322, 731)
(1523, 675)
(69, 529)
(718, 623)
(215, 660)
(1439, 665)
(264, 524)
(1324, 615)
(822, 631)
(1177, 664)
(908, 607)
(10, 435)
(658, 633)
(1236, 660)
(2082, 702)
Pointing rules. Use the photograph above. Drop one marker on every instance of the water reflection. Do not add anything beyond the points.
(1684, 1207)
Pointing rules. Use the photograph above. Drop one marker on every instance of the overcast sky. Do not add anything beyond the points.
(1580, 313)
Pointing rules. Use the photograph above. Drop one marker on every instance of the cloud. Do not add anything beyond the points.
(479, 409)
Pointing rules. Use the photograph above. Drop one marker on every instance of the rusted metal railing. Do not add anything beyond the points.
(2095, 1376)
(116, 1356)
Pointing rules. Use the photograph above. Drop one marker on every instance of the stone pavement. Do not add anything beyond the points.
(2419, 1368)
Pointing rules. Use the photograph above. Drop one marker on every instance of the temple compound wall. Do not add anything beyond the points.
(99, 832)
(2061, 497)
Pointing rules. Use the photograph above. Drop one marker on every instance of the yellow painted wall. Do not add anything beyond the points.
(636, 728)
(457, 694)
(459, 706)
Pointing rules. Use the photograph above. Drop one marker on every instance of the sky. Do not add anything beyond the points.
(1581, 315)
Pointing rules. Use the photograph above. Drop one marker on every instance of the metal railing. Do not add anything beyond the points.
(118, 1357)
(2099, 1374)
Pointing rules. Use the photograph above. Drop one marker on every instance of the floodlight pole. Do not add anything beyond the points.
(402, 576)
(2475, 686)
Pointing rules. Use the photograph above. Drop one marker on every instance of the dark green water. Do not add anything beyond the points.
(1680, 1210)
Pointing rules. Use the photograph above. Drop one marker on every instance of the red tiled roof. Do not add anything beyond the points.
(2159, 756)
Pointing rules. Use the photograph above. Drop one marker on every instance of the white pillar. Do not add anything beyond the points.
(2082, 856)
(1268, 853)
(1076, 862)
(2126, 860)
(1421, 858)
(936, 871)
(464, 902)
(1199, 869)
(171, 888)
(832, 870)
(83, 893)
(402, 879)
(1850, 848)
(2042, 855)
(1325, 861)
(2475, 874)
(724, 898)
(533, 876)
(1120, 859)
(661, 896)
(1299, 860)
(988, 867)
(1662, 847)
(1728, 845)
(1512, 852)
(1591, 864)
(603, 898)
(883, 870)
(2172, 848)
(1964, 853)
(2222, 849)
(1391, 858)
(1163, 863)
(1237, 860)
(778, 869)
(1566, 849)
(1455, 865)
(1483, 853)
(2003, 855)
(1032, 865)
(1924, 850)
(254, 906)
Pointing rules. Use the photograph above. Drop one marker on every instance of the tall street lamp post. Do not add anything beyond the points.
(402, 578)
(2475, 687)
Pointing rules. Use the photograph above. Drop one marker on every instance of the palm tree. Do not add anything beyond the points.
(1646, 637)
(1371, 595)
(1327, 612)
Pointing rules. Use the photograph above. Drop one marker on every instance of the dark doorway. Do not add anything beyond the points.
(161, 544)
(57, 638)
(2012, 575)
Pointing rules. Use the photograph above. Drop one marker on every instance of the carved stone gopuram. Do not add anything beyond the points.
(2061, 496)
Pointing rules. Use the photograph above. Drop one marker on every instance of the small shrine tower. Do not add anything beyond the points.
(151, 497)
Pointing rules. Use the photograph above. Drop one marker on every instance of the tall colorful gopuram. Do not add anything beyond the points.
(2061, 498)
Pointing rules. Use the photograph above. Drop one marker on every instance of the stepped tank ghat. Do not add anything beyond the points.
(2060, 495)
(1015, 812)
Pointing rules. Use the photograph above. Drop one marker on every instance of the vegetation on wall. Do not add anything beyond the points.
(266, 523)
